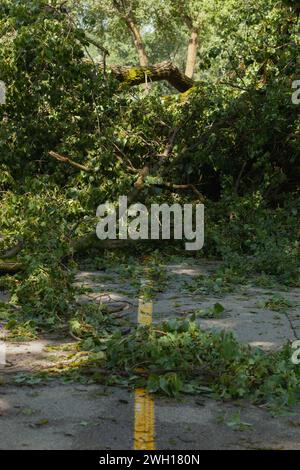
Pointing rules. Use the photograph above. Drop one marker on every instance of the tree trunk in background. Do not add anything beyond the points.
(138, 41)
(124, 9)
(192, 54)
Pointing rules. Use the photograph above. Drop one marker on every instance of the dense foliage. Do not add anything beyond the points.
(234, 136)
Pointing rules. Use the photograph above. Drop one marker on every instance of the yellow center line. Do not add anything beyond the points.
(143, 402)
(145, 312)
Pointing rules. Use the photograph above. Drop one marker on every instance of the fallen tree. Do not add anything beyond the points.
(152, 73)
(129, 76)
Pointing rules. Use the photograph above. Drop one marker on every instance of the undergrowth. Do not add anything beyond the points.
(180, 357)
(177, 357)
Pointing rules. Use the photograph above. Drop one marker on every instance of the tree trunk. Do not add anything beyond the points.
(192, 54)
(124, 10)
(138, 41)
(163, 71)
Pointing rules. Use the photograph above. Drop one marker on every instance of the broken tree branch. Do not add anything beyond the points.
(62, 158)
(10, 267)
(13, 251)
(171, 142)
(97, 44)
(162, 71)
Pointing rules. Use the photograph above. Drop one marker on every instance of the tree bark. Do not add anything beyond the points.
(10, 267)
(124, 10)
(192, 54)
(138, 41)
(62, 158)
(162, 71)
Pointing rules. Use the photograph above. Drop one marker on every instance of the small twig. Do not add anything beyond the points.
(233, 85)
(98, 45)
